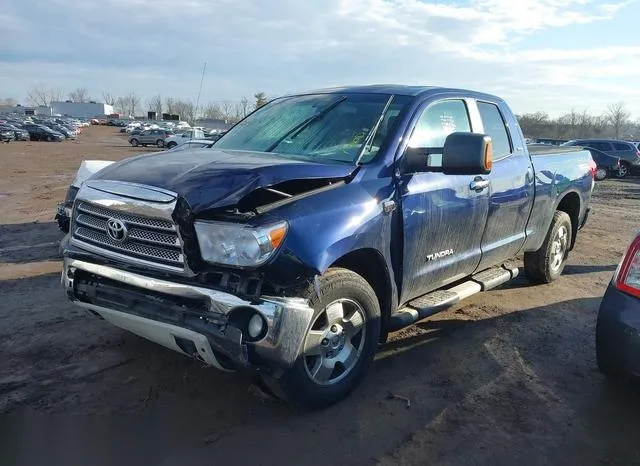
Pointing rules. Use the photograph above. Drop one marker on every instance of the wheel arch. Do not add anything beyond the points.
(571, 204)
(369, 263)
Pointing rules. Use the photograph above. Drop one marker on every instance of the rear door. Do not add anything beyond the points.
(443, 216)
(511, 187)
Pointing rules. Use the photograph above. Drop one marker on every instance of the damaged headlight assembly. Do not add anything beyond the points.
(238, 245)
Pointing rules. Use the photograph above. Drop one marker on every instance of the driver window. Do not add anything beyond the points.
(437, 122)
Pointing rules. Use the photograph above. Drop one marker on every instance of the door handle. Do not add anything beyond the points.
(478, 184)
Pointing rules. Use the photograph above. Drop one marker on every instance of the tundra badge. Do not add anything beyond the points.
(439, 255)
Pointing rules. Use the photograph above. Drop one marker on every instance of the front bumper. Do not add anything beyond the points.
(193, 320)
(618, 331)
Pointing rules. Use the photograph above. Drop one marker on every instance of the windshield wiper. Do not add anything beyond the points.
(372, 134)
(301, 127)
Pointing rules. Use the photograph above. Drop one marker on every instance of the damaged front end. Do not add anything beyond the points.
(154, 281)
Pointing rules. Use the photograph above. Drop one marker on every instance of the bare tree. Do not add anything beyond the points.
(121, 105)
(79, 95)
(184, 108)
(532, 124)
(42, 95)
(108, 98)
(261, 99)
(569, 123)
(618, 117)
(227, 110)
(212, 110)
(133, 101)
(154, 104)
(245, 107)
(169, 105)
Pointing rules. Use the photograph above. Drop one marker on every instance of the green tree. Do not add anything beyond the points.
(261, 99)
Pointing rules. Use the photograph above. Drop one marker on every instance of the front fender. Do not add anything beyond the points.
(326, 227)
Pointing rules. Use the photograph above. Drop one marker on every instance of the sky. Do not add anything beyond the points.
(539, 55)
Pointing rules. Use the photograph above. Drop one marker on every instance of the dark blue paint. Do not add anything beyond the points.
(618, 331)
(434, 212)
(208, 179)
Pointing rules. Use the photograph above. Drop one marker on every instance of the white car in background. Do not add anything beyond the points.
(179, 139)
(193, 144)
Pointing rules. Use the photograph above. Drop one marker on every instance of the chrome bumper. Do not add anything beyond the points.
(288, 319)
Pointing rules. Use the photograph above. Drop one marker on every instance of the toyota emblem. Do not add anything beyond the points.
(116, 230)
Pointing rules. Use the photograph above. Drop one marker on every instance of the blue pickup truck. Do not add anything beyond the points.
(319, 224)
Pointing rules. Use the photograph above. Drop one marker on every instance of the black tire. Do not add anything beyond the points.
(297, 385)
(624, 170)
(160, 143)
(48, 138)
(135, 142)
(172, 144)
(547, 263)
(601, 173)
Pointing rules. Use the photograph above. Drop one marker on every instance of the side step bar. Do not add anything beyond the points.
(439, 300)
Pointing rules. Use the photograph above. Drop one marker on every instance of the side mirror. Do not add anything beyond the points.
(467, 154)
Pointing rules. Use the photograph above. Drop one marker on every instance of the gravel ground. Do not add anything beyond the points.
(506, 377)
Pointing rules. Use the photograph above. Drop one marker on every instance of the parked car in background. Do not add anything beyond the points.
(607, 166)
(43, 133)
(150, 137)
(628, 153)
(181, 138)
(18, 133)
(6, 135)
(193, 144)
(618, 326)
(68, 133)
(319, 224)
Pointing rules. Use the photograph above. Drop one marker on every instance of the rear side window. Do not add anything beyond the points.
(621, 146)
(494, 126)
(438, 121)
(603, 146)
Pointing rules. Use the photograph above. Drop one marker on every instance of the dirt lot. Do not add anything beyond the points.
(508, 377)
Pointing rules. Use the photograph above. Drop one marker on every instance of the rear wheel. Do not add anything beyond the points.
(338, 347)
(160, 143)
(623, 171)
(547, 263)
(601, 173)
(135, 142)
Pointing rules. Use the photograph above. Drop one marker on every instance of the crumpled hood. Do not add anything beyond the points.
(209, 179)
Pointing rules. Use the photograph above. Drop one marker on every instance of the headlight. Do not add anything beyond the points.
(239, 245)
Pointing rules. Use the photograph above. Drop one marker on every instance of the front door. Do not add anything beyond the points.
(443, 216)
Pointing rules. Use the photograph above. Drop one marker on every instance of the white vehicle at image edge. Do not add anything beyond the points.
(85, 171)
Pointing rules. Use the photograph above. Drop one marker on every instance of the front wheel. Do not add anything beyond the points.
(135, 142)
(172, 144)
(547, 263)
(338, 347)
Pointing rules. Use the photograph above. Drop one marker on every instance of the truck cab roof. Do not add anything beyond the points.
(399, 89)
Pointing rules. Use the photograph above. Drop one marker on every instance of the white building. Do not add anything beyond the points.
(81, 109)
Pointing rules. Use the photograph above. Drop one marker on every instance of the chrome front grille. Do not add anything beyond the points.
(153, 241)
